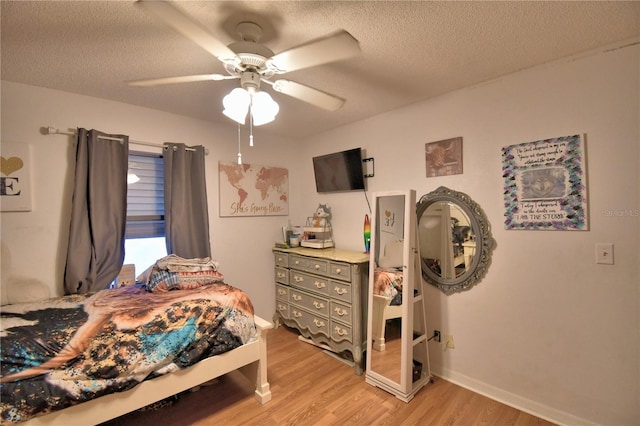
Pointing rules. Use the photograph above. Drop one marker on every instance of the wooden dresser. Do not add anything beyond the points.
(323, 293)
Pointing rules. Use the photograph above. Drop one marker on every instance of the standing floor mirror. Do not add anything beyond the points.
(397, 352)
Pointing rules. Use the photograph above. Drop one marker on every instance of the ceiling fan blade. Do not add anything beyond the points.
(308, 94)
(182, 79)
(191, 29)
(335, 47)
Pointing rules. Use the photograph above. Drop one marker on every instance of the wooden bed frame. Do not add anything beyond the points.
(382, 311)
(250, 359)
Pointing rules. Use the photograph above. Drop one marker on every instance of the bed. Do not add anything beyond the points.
(122, 349)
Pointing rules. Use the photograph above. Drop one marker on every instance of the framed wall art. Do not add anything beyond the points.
(545, 184)
(444, 158)
(253, 190)
(15, 179)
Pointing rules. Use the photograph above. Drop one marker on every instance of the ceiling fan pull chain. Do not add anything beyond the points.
(250, 126)
(239, 153)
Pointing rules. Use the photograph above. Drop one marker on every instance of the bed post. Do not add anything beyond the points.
(258, 370)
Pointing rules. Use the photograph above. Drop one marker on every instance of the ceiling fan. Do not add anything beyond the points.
(253, 63)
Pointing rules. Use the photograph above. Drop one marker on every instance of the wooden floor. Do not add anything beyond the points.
(310, 387)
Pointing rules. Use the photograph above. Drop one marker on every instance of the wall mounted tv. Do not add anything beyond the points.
(340, 171)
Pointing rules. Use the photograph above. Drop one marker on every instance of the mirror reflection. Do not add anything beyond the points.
(447, 239)
(387, 303)
(455, 240)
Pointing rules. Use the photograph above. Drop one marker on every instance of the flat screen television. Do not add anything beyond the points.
(340, 171)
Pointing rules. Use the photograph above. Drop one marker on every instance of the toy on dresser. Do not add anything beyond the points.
(317, 231)
(321, 216)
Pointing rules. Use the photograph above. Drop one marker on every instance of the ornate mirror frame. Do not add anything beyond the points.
(481, 229)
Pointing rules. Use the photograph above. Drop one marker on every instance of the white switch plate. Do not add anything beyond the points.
(604, 253)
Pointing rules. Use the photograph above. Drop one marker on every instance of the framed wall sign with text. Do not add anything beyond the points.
(545, 184)
(15, 179)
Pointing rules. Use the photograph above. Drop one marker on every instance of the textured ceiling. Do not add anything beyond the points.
(411, 51)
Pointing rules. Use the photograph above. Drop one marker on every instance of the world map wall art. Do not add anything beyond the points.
(253, 190)
(545, 184)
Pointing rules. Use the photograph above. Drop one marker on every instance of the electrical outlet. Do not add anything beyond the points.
(436, 336)
(448, 339)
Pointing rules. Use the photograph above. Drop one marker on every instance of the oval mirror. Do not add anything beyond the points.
(455, 240)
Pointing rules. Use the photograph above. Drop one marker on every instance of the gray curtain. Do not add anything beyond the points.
(186, 212)
(98, 212)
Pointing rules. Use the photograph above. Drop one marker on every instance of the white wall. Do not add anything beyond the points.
(547, 329)
(37, 240)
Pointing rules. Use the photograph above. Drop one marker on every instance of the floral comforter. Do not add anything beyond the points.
(388, 283)
(68, 350)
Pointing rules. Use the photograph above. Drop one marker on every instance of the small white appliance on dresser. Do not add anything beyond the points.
(323, 294)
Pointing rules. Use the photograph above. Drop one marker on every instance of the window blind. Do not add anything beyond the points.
(145, 196)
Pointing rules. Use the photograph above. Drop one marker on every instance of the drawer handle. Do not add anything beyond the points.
(282, 307)
(280, 274)
(340, 291)
(340, 312)
(297, 262)
(320, 284)
(338, 271)
(297, 314)
(298, 278)
(318, 305)
(340, 331)
(317, 266)
(296, 297)
(280, 259)
(318, 323)
(282, 292)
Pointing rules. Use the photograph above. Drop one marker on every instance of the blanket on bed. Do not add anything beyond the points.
(387, 282)
(67, 350)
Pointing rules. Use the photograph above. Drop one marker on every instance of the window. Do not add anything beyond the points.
(145, 230)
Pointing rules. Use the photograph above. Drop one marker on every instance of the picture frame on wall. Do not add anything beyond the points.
(15, 177)
(444, 158)
(252, 190)
(545, 185)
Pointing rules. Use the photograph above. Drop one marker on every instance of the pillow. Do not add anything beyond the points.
(163, 280)
(173, 272)
(392, 255)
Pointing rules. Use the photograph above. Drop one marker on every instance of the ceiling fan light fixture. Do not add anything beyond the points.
(240, 101)
(263, 108)
(236, 105)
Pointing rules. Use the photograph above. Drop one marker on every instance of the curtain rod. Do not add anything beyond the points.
(53, 131)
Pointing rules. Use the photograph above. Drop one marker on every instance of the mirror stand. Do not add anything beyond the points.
(397, 347)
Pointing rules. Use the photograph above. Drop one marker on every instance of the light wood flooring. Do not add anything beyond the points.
(310, 387)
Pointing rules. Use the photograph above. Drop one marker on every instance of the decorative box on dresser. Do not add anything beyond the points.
(323, 294)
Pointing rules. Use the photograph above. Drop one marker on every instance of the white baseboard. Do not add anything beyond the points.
(523, 404)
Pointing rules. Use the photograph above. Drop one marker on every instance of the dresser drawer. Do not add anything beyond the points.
(309, 321)
(282, 293)
(341, 332)
(319, 292)
(341, 271)
(340, 291)
(283, 309)
(281, 259)
(317, 266)
(282, 275)
(315, 304)
(310, 282)
(340, 312)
